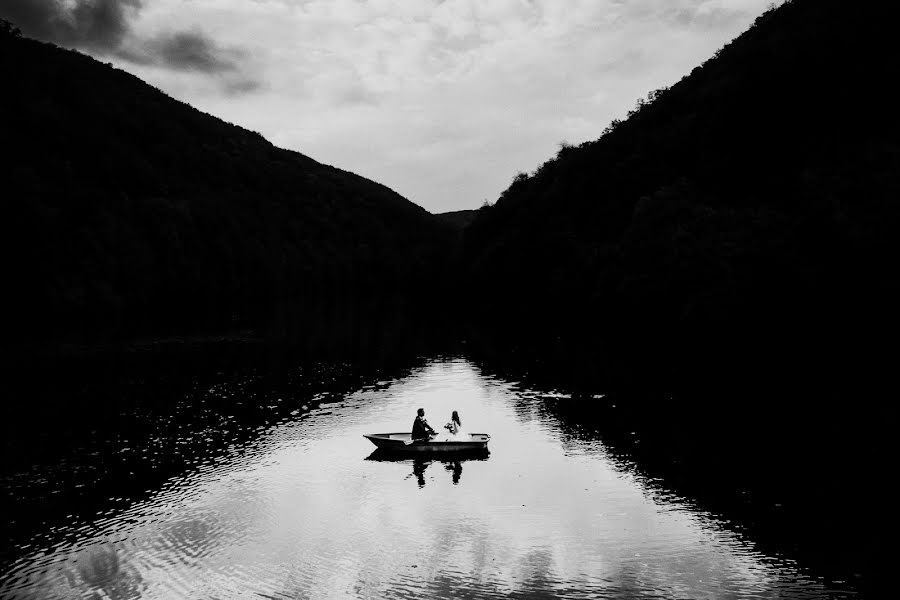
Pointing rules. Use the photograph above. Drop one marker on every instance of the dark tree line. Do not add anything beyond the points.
(750, 209)
(127, 212)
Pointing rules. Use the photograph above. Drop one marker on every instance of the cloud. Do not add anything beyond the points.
(184, 51)
(194, 51)
(706, 16)
(98, 25)
(104, 27)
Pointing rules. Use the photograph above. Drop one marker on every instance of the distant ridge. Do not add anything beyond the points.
(128, 211)
(752, 208)
(458, 218)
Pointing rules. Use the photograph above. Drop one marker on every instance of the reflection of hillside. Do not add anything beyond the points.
(301, 515)
(165, 411)
(769, 473)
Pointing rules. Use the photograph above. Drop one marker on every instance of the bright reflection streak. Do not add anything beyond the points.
(300, 513)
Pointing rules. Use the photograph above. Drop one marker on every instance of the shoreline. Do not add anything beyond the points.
(150, 344)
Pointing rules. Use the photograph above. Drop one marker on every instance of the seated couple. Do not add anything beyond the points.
(421, 430)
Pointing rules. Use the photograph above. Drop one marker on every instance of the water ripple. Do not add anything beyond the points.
(297, 511)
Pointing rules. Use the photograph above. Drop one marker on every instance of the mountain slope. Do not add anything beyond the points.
(753, 203)
(459, 219)
(127, 210)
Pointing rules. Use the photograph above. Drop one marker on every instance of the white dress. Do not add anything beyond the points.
(454, 432)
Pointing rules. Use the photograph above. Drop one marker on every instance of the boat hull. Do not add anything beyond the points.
(402, 443)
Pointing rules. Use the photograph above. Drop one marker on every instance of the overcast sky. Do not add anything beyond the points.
(442, 100)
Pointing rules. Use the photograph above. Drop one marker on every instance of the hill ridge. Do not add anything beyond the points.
(755, 198)
(132, 212)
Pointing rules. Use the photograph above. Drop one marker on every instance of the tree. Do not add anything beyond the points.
(8, 29)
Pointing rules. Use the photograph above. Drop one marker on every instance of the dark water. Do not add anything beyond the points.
(244, 486)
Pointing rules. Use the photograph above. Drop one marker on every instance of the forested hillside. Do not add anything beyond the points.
(127, 212)
(460, 219)
(752, 209)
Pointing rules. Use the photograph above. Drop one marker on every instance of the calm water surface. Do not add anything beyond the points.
(304, 511)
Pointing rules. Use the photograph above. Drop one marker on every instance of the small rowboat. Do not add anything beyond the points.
(402, 442)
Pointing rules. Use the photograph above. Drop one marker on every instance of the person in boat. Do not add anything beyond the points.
(421, 430)
(454, 425)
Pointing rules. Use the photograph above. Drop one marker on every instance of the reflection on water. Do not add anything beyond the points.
(454, 464)
(299, 512)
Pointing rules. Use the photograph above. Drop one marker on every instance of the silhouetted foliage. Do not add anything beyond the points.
(750, 208)
(127, 212)
(8, 30)
(459, 219)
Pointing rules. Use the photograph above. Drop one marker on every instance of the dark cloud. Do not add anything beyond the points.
(104, 27)
(93, 25)
(184, 51)
(244, 84)
(194, 51)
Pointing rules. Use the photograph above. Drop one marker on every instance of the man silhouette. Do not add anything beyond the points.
(421, 430)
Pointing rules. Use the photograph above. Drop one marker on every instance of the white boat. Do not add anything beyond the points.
(403, 442)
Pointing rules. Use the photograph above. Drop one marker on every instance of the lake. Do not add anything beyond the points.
(241, 487)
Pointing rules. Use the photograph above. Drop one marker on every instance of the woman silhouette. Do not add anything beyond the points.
(455, 425)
